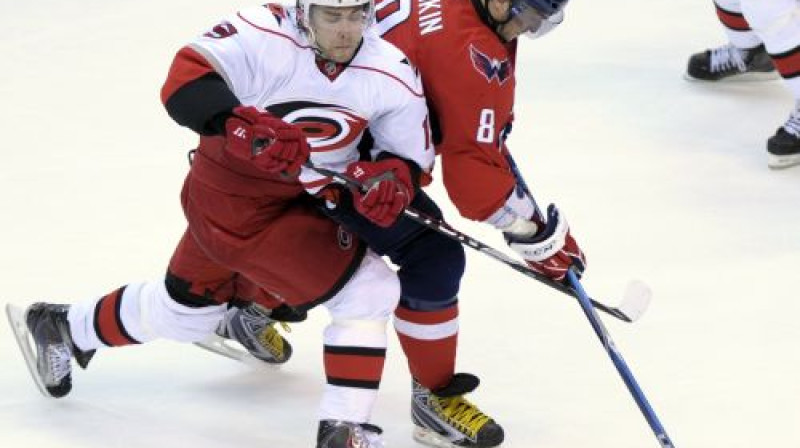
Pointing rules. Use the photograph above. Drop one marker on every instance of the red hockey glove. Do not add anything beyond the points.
(388, 189)
(272, 144)
(550, 251)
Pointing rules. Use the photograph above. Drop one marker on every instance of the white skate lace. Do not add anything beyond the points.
(58, 362)
(792, 125)
(727, 57)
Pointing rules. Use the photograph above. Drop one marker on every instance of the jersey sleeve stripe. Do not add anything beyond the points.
(187, 66)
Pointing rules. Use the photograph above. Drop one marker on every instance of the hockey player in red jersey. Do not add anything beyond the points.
(465, 53)
(268, 90)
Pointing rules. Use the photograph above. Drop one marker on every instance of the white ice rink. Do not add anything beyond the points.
(661, 179)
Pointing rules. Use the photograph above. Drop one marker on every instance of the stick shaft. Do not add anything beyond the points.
(619, 362)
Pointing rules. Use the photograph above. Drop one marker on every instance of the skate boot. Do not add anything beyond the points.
(731, 64)
(445, 419)
(341, 434)
(253, 327)
(783, 148)
(51, 362)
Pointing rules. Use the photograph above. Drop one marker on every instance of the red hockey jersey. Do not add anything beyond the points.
(468, 76)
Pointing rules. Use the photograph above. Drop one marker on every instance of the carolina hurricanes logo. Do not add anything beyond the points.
(327, 127)
(490, 68)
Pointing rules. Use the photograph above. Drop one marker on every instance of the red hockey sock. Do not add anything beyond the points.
(429, 340)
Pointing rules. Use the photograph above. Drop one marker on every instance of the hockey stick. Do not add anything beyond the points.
(619, 363)
(635, 299)
(521, 182)
(601, 332)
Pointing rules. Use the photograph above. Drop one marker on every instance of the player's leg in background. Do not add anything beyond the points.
(777, 23)
(743, 58)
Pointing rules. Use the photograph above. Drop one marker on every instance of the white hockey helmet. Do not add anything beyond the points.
(304, 12)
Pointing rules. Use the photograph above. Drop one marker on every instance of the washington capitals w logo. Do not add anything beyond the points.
(488, 67)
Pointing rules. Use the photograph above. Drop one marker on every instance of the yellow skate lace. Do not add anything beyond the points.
(272, 339)
(463, 415)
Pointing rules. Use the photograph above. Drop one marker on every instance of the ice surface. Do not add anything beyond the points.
(661, 179)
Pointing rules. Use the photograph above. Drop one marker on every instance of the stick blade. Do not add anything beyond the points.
(636, 299)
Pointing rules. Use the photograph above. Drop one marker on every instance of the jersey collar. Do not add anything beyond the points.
(332, 69)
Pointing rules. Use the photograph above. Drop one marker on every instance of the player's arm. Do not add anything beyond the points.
(213, 74)
(203, 91)
(472, 113)
(481, 184)
(401, 151)
(195, 94)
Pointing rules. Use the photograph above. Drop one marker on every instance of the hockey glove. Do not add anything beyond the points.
(272, 144)
(552, 250)
(388, 189)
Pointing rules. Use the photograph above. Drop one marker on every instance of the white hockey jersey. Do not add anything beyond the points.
(268, 63)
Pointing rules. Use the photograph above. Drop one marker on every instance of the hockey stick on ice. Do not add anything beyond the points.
(601, 332)
(619, 363)
(635, 300)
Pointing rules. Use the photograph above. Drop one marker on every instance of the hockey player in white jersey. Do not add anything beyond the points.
(764, 43)
(267, 90)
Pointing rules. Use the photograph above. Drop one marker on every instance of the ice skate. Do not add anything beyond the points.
(445, 419)
(783, 148)
(254, 330)
(340, 434)
(45, 327)
(729, 63)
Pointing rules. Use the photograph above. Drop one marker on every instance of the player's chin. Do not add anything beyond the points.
(341, 54)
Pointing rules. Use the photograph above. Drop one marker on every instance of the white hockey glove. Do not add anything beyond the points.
(552, 250)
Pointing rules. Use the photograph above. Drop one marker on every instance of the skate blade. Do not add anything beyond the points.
(781, 162)
(232, 350)
(744, 77)
(17, 318)
(431, 438)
